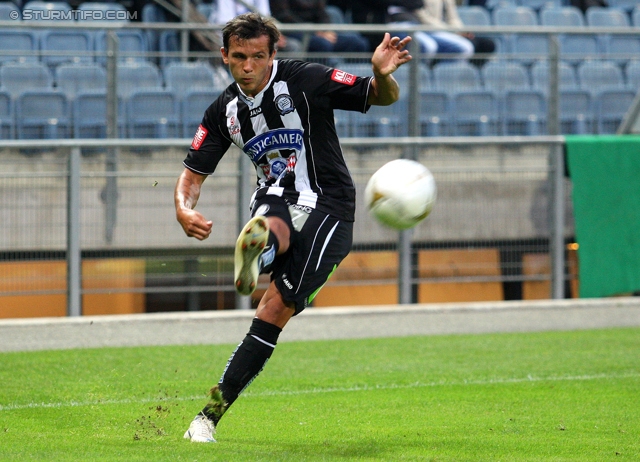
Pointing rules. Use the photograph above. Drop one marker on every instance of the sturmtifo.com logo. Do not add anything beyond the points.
(75, 15)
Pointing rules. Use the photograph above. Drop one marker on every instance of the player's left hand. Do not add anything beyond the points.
(390, 55)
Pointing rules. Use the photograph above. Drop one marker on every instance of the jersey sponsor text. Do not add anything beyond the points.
(198, 139)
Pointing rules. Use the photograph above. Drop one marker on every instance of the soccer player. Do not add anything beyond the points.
(280, 113)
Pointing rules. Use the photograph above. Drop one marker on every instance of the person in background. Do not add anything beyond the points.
(314, 12)
(224, 11)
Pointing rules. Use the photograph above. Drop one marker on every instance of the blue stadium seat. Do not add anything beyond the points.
(529, 48)
(182, 77)
(7, 122)
(538, 5)
(540, 76)
(42, 114)
(500, 76)
(576, 112)
(90, 115)
(18, 77)
(435, 113)
(456, 76)
(37, 10)
(611, 107)
(513, 16)
(153, 114)
(152, 12)
(632, 72)
(103, 11)
(137, 76)
(382, 121)
(598, 75)
(635, 16)
(9, 11)
(18, 45)
(474, 15)
(617, 47)
(61, 46)
(132, 45)
(475, 113)
(626, 5)
(194, 103)
(565, 16)
(524, 112)
(76, 78)
(169, 47)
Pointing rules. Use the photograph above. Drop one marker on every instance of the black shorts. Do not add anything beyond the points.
(319, 242)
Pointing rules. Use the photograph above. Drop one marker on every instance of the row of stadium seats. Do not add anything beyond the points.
(46, 114)
(49, 114)
(70, 79)
(484, 112)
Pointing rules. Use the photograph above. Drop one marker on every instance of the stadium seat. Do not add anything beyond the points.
(37, 10)
(524, 112)
(152, 12)
(59, 46)
(137, 76)
(529, 48)
(42, 114)
(18, 77)
(540, 76)
(194, 103)
(635, 16)
(181, 77)
(617, 47)
(75, 78)
(90, 115)
(611, 107)
(153, 114)
(538, 5)
(576, 112)
(132, 45)
(512, 15)
(456, 76)
(169, 47)
(632, 72)
(598, 75)
(104, 11)
(500, 76)
(435, 113)
(7, 124)
(475, 113)
(626, 5)
(382, 121)
(565, 16)
(18, 45)
(8, 11)
(474, 15)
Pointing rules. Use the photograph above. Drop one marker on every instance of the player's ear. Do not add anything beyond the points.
(225, 55)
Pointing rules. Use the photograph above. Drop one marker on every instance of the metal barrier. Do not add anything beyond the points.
(504, 194)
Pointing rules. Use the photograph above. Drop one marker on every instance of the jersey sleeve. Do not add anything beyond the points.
(209, 143)
(343, 90)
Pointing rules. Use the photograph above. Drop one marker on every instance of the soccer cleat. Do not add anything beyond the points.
(201, 430)
(249, 246)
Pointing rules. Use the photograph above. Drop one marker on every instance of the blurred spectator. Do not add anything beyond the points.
(313, 11)
(225, 10)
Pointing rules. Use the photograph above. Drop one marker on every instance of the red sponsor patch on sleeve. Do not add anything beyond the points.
(201, 134)
(343, 77)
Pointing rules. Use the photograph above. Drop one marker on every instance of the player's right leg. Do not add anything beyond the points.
(249, 252)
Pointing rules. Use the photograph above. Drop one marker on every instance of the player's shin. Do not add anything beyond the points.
(244, 365)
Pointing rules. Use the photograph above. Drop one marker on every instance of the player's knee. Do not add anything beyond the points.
(281, 230)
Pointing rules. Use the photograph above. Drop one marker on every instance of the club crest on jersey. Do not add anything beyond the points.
(234, 128)
(198, 139)
(284, 103)
(343, 77)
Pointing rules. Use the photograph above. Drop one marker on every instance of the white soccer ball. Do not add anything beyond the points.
(401, 193)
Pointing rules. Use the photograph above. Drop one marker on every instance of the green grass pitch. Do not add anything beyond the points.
(556, 396)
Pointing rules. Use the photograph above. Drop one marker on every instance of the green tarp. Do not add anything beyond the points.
(605, 172)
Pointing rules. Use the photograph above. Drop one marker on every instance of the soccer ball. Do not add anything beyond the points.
(401, 193)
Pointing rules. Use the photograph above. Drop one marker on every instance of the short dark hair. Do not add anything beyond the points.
(249, 26)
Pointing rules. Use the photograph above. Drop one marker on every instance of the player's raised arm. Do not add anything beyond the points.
(387, 57)
(186, 197)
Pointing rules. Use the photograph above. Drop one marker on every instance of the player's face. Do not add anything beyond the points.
(249, 62)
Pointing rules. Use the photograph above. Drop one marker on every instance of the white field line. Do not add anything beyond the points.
(529, 378)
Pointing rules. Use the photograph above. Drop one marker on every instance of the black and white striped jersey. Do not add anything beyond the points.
(288, 132)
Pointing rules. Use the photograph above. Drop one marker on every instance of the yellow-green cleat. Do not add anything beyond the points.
(249, 246)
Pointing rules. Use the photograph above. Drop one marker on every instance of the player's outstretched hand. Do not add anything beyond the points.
(390, 55)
